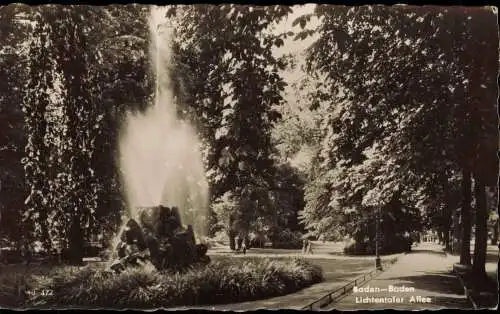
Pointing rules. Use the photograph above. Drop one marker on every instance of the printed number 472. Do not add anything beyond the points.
(46, 292)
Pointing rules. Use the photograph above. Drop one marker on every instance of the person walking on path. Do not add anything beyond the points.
(418, 280)
(307, 247)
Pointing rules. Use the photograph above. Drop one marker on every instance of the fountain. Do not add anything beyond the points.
(159, 238)
(163, 175)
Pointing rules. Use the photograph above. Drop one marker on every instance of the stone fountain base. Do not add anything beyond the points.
(159, 238)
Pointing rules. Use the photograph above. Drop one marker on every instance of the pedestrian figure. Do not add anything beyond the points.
(25, 252)
(309, 247)
(239, 243)
(304, 246)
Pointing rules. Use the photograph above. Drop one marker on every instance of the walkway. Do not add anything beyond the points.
(424, 281)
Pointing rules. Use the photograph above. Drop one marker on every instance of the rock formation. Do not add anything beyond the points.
(158, 237)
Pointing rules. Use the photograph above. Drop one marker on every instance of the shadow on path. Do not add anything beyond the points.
(491, 257)
(426, 251)
(450, 303)
(440, 282)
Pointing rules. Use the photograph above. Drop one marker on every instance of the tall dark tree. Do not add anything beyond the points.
(121, 80)
(483, 101)
(14, 39)
(74, 74)
(37, 99)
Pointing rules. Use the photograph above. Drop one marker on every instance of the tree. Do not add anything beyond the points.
(231, 83)
(287, 198)
(360, 88)
(36, 101)
(483, 91)
(13, 56)
(378, 137)
(122, 81)
(70, 156)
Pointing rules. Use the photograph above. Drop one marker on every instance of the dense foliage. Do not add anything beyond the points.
(69, 95)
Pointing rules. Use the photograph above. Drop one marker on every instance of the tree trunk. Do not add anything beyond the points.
(447, 216)
(494, 239)
(465, 258)
(440, 236)
(446, 238)
(76, 241)
(232, 240)
(481, 240)
(455, 233)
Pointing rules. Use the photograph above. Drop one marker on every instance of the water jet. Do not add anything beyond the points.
(162, 172)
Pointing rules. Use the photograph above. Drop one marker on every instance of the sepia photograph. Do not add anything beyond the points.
(236, 157)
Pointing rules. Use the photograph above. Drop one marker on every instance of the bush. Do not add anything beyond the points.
(357, 248)
(393, 245)
(288, 239)
(222, 281)
(258, 240)
(10, 255)
(92, 249)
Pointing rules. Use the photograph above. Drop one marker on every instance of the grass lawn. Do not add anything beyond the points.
(337, 271)
(225, 280)
(343, 269)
